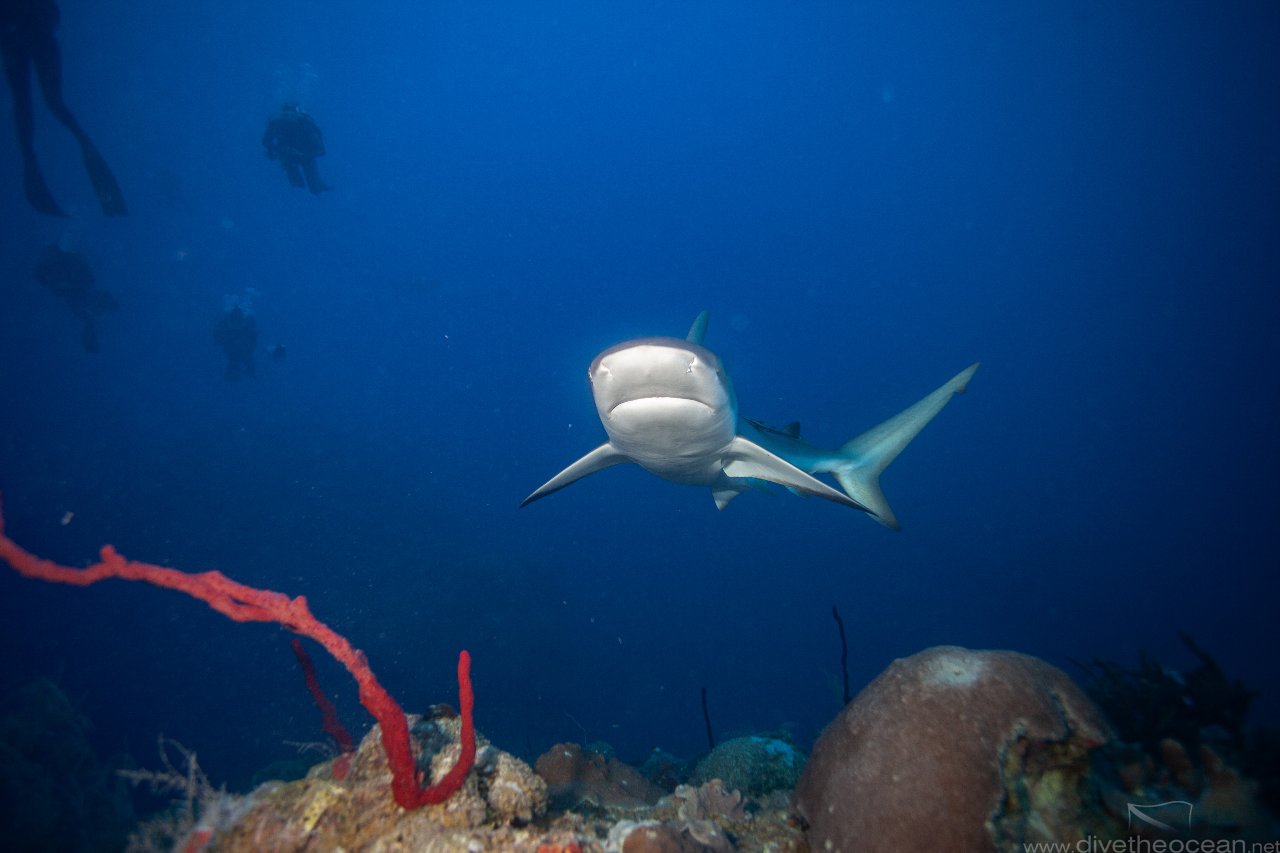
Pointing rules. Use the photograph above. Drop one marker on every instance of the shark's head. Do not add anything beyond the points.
(663, 396)
(651, 368)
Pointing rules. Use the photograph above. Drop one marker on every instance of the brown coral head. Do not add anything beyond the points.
(951, 749)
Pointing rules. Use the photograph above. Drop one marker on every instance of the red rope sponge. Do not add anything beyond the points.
(242, 603)
(329, 721)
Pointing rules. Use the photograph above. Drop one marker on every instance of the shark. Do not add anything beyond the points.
(669, 406)
(858, 463)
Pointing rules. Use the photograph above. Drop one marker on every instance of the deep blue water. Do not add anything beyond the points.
(867, 197)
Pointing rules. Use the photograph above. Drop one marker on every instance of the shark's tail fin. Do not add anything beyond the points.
(870, 453)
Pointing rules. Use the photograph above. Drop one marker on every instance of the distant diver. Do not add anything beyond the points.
(237, 334)
(294, 138)
(26, 41)
(68, 277)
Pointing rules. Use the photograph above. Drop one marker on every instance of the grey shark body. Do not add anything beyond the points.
(669, 406)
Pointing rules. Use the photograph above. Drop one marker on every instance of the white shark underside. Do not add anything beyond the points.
(668, 406)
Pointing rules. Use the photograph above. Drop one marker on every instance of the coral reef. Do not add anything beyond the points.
(707, 819)
(199, 812)
(501, 807)
(710, 800)
(515, 794)
(664, 769)
(1154, 702)
(651, 836)
(1203, 798)
(753, 765)
(1183, 736)
(952, 749)
(322, 812)
(949, 749)
(577, 778)
(1226, 802)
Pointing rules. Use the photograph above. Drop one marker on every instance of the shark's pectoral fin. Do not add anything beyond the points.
(744, 458)
(602, 457)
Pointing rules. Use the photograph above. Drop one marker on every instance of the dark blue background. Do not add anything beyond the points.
(868, 197)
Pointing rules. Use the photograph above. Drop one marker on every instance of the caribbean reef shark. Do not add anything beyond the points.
(669, 406)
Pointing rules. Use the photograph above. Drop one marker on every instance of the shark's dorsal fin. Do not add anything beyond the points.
(602, 457)
(698, 330)
(792, 430)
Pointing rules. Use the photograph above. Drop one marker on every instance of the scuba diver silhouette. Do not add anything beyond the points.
(26, 41)
(237, 334)
(68, 277)
(294, 138)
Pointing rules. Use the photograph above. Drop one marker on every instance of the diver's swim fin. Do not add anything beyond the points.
(37, 191)
(104, 183)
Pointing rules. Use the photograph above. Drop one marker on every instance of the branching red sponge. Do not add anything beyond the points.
(246, 604)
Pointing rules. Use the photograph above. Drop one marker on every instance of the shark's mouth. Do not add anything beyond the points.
(656, 405)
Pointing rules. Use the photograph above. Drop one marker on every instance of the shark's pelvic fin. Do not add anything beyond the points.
(870, 453)
(726, 489)
(745, 459)
(602, 457)
(698, 330)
